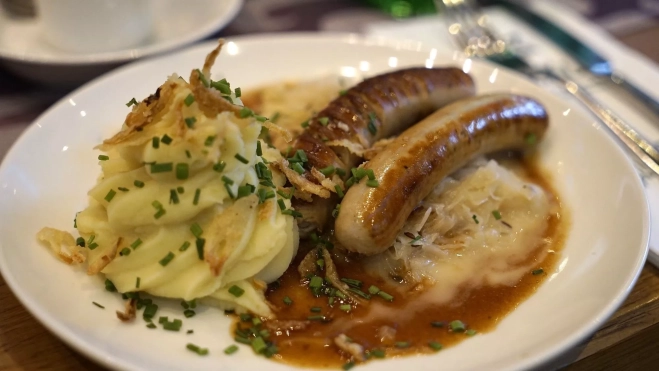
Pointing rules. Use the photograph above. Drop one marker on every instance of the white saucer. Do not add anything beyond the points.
(176, 23)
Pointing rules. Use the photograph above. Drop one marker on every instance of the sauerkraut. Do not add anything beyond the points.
(477, 228)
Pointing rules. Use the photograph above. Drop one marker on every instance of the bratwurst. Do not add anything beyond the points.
(371, 216)
(376, 108)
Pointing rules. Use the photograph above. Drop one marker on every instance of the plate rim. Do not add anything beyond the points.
(133, 54)
(537, 360)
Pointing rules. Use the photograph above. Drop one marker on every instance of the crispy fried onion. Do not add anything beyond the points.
(351, 146)
(345, 344)
(129, 312)
(281, 132)
(376, 148)
(97, 265)
(326, 182)
(301, 183)
(286, 325)
(308, 267)
(226, 232)
(62, 244)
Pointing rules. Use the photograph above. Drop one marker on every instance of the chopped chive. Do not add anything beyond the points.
(316, 309)
(435, 345)
(316, 282)
(163, 319)
(190, 121)
(373, 290)
(245, 190)
(185, 246)
(538, 271)
(150, 311)
(285, 195)
(475, 219)
(209, 140)
(371, 123)
(175, 325)
(138, 184)
(293, 213)
(103, 157)
(336, 211)
(185, 304)
(92, 246)
(245, 112)
(320, 263)
(173, 197)
(470, 332)
(190, 332)
(245, 317)
(221, 86)
(348, 366)
(98, 305)
(373, 183)
(137, 283)
(180, 190)
(345, 307)
(200, 242)
(352, 282)
(298, 168)
(282, 205)
(166, 139)
(437, 324)
(377, 353)
(125, 251)
(258, 344)
(162, 167)
(305, 124)
(317, 317)
(385, 296)
(236, 291)
(196, 230)
(219, 167)
(131, 102)
(231, 349)
(227, 180)
(259, 151)
(110, 195)
(241, 158)
(256, 321)
(151, 325)
(159, 213)
(530, 139)
(402, 344)
(203, 78)
(359, 293)
(168, 258)
(457, 326)
(123, 189)
(497, 214)
(343, 92)
(340, 172)
(188, 313)
(327, 171)
(189, 100)
(260, 118)
(109, 286)
(238, 92)
(229, 191)
(242, 340)
(196, 349)
(155, 142)
(197, 193)
(302, 155)
(323, 121)
(80, 242)
(275, 117)
(156, 204)
(288, 300)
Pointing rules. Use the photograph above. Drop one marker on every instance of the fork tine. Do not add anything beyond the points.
(455, 26)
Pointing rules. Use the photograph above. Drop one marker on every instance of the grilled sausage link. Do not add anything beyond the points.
(414, 163)
(376, 108)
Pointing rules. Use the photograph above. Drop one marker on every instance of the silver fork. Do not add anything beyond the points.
(468, 28)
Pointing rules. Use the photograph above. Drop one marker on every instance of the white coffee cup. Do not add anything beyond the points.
(95, 25)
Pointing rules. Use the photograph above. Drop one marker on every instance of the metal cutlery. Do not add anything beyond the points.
(469, 30)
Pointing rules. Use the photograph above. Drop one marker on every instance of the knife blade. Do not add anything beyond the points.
(588, 58)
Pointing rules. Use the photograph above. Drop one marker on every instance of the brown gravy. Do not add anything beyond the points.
(480, 309)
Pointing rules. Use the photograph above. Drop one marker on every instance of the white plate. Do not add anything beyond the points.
(44, 179)
(176, 23)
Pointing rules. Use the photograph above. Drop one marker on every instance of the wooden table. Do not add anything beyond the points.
(627, 341)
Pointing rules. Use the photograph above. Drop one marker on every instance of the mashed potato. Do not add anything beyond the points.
(187, 205)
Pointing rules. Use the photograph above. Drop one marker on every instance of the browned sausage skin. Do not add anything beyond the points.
(376, 108)
(390, 102)
(410, 167)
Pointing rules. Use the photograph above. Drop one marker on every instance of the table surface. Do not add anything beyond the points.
(626, 341)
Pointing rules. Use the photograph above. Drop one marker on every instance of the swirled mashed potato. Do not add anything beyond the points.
(185, 206)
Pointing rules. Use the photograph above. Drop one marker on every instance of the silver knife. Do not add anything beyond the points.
(580, 52)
